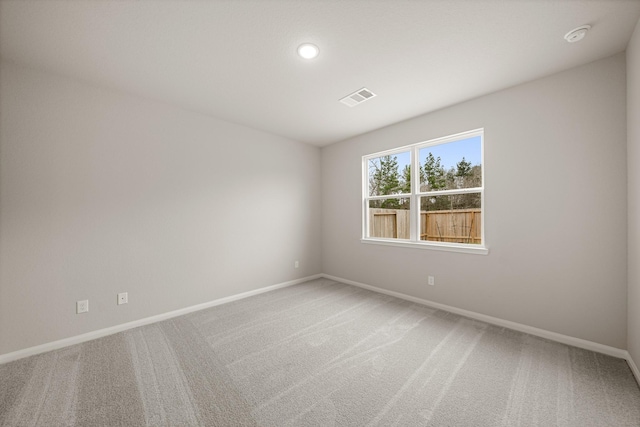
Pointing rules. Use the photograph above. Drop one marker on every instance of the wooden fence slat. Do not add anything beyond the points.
(459, 226)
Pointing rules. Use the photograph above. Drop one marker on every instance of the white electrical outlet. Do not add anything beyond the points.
(296, 264)
(431, 281)
(123, 298)
(82, 306)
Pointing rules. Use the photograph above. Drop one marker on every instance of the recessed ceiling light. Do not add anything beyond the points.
(308, 50)
(577, 34)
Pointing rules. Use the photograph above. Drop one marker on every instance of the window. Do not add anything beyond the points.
(429, 195)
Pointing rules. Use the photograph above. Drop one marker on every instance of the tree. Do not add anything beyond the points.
(472, 179)
(385, 180)
(463, 168)
(434, 173)
(435, 178)
(468, 176)
(406, 179)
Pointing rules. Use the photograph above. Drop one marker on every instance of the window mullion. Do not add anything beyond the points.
(390, 196)
(452, 192)
(365, 201)
(415, 200)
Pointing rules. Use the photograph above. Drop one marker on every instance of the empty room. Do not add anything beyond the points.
(320, 213)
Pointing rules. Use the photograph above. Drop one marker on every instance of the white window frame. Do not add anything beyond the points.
(414, 197)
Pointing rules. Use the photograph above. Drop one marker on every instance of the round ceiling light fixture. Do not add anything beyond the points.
(308, 50)
(577, 34)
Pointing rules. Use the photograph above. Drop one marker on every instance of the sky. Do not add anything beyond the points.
(453, 152)
(450, 153)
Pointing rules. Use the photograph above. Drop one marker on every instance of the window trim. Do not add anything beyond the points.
(414, 197)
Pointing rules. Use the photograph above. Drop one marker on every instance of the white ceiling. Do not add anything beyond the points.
(236, 60)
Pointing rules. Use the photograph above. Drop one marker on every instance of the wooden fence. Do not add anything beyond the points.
(456, 226)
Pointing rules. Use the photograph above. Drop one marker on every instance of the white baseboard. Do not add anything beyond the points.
(634, 367)
(553, 336)
(565, 339)
(8, 357)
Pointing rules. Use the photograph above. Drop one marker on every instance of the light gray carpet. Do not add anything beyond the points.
(319, 354)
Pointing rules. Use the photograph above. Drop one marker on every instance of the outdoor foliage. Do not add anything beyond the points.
(385, 179)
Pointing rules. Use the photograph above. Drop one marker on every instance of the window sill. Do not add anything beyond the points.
(466, 249)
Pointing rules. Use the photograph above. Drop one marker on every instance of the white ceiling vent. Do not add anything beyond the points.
(357, 97)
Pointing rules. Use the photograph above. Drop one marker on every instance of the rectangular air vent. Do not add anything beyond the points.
(357, 97)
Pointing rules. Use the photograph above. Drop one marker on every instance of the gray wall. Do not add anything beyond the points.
(633, 159)
(556, 210)
(102, 192)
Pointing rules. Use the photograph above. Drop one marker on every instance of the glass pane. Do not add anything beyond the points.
(454, 219)
(390, 174)
(452, 165)
(390, 218)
